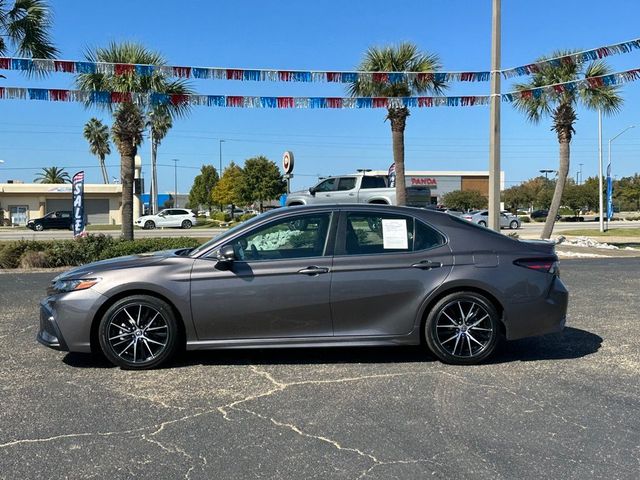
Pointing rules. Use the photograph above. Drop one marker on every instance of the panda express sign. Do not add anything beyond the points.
(430, 182)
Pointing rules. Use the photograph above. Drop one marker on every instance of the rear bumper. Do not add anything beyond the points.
(540, 317)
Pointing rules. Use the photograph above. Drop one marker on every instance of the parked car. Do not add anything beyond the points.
(314, 276)
(481, 217)
(170, 217)
(61, 219)
(541, 214)
(357, 188)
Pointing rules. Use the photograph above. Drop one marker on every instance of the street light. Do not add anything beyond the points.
(609, 168)
(220, 142)
(546, 173)
(175, 179)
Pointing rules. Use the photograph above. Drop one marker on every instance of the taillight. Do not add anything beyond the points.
(546, 265)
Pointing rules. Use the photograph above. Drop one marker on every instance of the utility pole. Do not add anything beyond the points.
(494, 129)
(600, 200)
(175, 179)
(220, 142)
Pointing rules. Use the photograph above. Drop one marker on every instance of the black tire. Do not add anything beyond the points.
(38, 227)
(513, 225)
(186, 225)
(138, 332)
(482, 223)
(149, 225)
(448, 333)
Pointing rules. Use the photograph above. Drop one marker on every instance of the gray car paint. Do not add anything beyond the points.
(379, 300)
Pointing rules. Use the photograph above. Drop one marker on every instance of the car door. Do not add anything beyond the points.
(277, 287)
(346, 190)
(163, 218)
(325, 191)
(385, 265)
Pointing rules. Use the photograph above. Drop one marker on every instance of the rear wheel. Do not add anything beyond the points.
(482, 223)
(186, 224)
(513, 225)
(462, 328)
(138, 332)
(149, 225)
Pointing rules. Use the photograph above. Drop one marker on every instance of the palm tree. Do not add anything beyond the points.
(560, 105)
(26, 25)
(402, 58)
(129, 116)
(159, 124)
(52, 175)
(97, 134)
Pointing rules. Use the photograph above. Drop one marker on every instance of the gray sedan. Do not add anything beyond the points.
(481, 218)
(331, 275)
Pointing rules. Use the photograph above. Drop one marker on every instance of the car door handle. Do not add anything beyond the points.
(427, 265)
(313, 270)
(351, 194)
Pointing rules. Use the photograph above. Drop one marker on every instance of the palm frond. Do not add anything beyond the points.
(601, 97)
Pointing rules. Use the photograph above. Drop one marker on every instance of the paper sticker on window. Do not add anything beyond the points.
(394, 234)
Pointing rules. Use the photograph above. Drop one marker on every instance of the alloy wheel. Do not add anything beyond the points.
(137, 333)
(464, 329)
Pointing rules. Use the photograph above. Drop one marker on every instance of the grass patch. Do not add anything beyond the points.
(93, 228)
(612, 232)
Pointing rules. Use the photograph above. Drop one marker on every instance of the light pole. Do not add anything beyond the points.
(175, 180)
(494, 119)
(220, 142)
(609, 168)
(546, 173)
(580, 174)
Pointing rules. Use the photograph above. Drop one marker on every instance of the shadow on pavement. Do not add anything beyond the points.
(571, 343)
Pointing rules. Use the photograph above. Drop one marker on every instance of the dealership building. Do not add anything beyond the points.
(21, 202)
(443, 182)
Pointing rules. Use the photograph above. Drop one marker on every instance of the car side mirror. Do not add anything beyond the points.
(227, 254)
(312, 190)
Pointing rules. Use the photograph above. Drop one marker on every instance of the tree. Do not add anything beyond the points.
(628, 190)
(128, 115)
(26, 26)
(560, 106)
(517, 197)
(262, 181)
(403, 58)
(97, 134)
(464, 200)
(203, 186)
(52, 175)
(228, 190)
(159, 124)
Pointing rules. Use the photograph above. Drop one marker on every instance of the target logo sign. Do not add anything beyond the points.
(287, 162)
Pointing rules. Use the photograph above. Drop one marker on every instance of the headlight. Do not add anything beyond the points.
(63, 286)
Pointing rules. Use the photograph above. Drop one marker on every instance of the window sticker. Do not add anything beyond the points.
(394, 234)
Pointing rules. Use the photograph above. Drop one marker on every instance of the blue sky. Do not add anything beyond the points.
(326, 35)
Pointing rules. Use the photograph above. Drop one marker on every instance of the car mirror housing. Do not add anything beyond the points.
(227, 254)
(312, 190)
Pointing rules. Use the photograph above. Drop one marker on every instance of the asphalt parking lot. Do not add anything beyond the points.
(561, 406)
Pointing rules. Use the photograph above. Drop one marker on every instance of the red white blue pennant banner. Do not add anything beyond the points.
(57, 95)
(263, 75)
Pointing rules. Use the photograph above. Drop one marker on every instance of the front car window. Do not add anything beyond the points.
(298, 237)
(326, 186)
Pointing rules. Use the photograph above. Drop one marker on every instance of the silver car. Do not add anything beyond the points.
(331, 275)
(481, 218)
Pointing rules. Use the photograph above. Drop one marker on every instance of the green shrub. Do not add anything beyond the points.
(524, 219)
(128, 247)
(31, 259)
(632, 218)
(12, 252)
(221, 216)
(246, 216)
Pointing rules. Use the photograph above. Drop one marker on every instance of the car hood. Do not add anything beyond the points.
(300, 193)
(119, 263)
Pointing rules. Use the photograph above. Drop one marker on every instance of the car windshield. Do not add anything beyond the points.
(226, 233)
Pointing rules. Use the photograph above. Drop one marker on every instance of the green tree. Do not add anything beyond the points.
(517, 197)
(52, 175)
(203, 186)
(464, 200)
(25, 25)
(560, 106)
(228, 190)
(402, 58)
(159, 123)
(129, 116)
(97, 134)
(627, 189)
(262, 181)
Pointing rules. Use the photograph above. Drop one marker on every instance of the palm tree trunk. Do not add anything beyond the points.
(103, 168)
(127, 155)
(561, 181)
(398, 119)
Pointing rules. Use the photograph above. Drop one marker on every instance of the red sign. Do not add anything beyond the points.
(428, 181)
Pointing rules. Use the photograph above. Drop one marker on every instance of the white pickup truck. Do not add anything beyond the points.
(357, 188)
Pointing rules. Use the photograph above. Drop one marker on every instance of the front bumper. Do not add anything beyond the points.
(65, 320)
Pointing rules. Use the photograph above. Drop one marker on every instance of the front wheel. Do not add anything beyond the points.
(462, 329)
(138, 332)
(186, 224)
(39, 227)
(149, 225)
(513, 225)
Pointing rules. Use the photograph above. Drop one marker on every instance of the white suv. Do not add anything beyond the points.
(170, 217)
